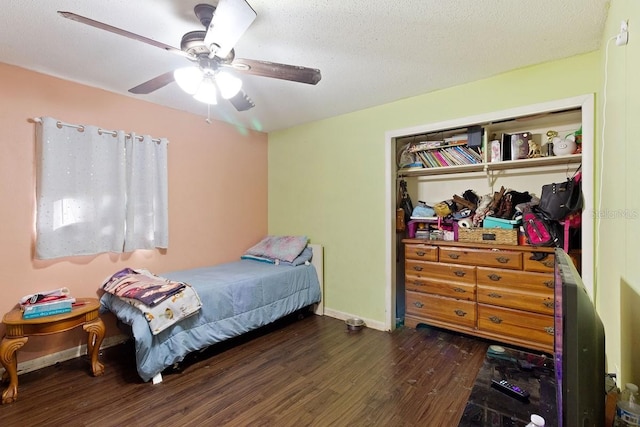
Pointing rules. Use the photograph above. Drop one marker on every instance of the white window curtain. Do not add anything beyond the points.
(147, 220)
(98, 191)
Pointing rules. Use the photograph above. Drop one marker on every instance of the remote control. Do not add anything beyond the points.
(510, 389)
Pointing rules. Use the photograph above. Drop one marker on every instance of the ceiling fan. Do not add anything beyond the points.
(211, 52)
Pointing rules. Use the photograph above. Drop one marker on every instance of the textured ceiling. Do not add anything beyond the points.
(370, 52)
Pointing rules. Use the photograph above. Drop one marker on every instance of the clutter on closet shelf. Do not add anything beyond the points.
(506, 217)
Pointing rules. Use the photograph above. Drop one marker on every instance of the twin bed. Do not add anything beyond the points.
(235, 297)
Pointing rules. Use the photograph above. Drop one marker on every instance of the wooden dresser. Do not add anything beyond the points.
(497, 292)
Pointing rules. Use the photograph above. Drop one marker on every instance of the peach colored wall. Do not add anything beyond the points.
(216, 208)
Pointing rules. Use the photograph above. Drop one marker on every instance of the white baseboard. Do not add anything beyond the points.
(373, 324)
(68, 354)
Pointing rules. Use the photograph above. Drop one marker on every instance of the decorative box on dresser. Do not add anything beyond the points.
(498, 292)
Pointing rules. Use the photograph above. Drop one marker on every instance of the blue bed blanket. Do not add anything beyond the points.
(236, 297)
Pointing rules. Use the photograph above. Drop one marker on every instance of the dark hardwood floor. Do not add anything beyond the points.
(309, 372)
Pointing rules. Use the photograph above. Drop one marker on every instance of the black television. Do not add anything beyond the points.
(579, 353)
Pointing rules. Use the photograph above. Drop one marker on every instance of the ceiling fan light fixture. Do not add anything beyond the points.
(189, 79)
(207, 91)
(228, 84)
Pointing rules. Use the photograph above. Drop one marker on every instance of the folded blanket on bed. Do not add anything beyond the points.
(170, 301)
(141, 285)
(170, 311)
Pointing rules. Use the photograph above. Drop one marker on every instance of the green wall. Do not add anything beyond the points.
(618, 170)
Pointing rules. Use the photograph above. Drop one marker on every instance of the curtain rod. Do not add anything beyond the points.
(100, 131)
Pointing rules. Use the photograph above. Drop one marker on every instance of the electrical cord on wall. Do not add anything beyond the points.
(598, 215)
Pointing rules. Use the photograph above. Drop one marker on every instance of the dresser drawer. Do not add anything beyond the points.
(519, 280)
(421, 252)
(460, 312)
(442, 287)
(485, 257)
(544, 265)
(516, 299)
(526, 326)
(437, 270)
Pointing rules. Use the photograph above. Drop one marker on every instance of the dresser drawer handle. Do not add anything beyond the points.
(454, 256)
(548, 263)
(503, 260)
(418, 304)
(495, 319)
(548, 304)
(417, 268)
(460, 313)
(549, 330)
(421, 253)
(459, 290)
(494, 277)
(549, 284)
(494, 295)
(460, 273)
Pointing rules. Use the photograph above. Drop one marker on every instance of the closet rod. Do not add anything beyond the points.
(100, 131)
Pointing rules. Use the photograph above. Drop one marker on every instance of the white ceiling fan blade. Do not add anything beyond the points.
(230, 20)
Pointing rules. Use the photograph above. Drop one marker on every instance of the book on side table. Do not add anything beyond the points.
(46, 303)
(50, 308)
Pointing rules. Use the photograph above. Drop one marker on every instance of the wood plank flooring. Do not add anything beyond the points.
(308, 372)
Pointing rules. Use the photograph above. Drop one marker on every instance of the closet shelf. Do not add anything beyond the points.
(494, 166)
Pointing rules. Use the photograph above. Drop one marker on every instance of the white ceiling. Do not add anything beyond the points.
(370, 52)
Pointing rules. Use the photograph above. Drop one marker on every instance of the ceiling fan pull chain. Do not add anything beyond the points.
(208, 120)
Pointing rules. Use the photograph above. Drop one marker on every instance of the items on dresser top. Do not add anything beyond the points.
(501, 292)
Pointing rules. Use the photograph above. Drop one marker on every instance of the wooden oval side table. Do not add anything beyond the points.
(18, 331)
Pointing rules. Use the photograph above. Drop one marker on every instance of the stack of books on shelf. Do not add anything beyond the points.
(435, 154)
(47, 303)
